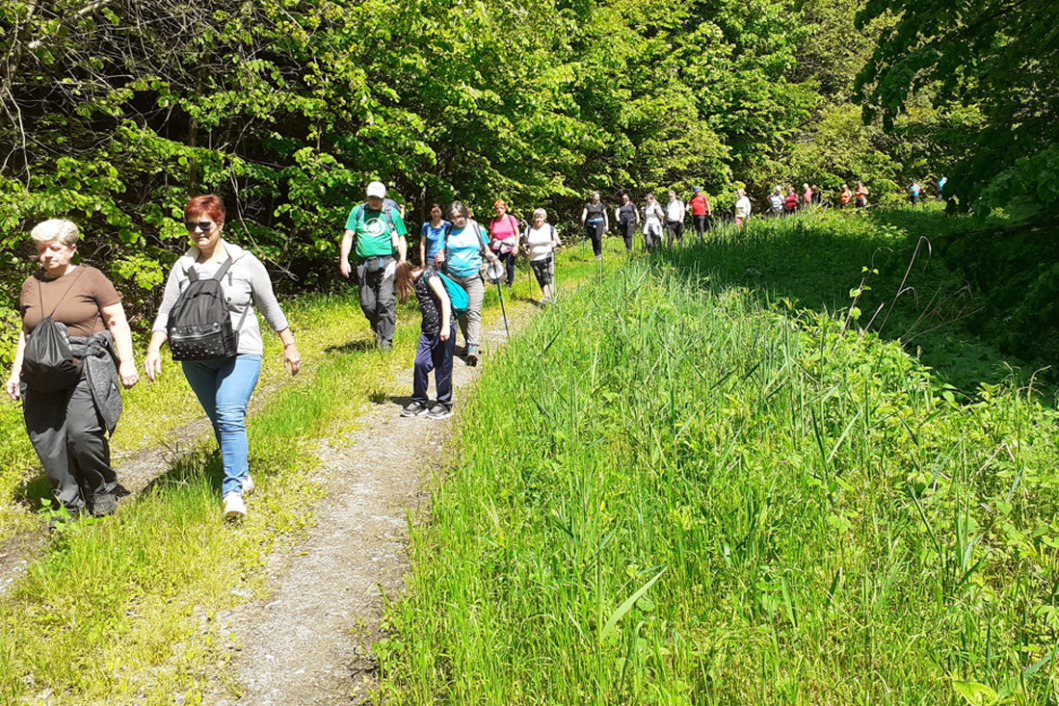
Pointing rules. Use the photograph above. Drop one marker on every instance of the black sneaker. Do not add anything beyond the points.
(104, 504)
(413, 409)
(440, 411)
(472, 356)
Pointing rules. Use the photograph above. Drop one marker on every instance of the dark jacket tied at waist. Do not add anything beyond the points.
(100, 362)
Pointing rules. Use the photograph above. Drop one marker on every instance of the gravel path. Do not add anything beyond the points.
(310, 641)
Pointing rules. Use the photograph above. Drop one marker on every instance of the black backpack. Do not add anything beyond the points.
(48, 361)
(200, 327)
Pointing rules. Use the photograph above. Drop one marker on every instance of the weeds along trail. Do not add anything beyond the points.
(161, 425)
(712, 499)
(126, 610)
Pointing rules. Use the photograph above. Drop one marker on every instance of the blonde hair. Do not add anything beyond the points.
(64, 231)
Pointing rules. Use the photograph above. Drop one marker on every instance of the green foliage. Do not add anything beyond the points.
(988, 63)
(116, 112)
(713, 501)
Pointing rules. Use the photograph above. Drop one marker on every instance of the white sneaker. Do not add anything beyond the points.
(248, 484)
(234, 508)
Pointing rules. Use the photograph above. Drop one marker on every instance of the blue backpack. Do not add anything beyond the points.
(457, 294)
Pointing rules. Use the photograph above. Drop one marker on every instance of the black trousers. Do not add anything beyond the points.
(627, 229)
(509, 264)
(594, 231)
(701, 224)
(71, 442)
(674, 229)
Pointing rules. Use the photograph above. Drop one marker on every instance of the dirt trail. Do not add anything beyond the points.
(136, 471)
(310, 641)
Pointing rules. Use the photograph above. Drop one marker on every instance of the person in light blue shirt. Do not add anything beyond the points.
(431, 236)
(466, 244)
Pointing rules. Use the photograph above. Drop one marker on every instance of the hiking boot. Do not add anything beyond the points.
(234, 508)
(599, 257)
(413, 409)
(104, 504)
(440, 410)
(472, 356)
(248, 484)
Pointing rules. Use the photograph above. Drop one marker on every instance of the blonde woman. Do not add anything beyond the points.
(541, 241)
(70, 414)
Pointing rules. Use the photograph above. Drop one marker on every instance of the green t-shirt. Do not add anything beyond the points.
(372, 231)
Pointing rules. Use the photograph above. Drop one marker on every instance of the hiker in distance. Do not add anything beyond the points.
(861, 195)
(74, 347)
(466, 246)
(595, 222)
(653, 216)
(742, 208)
(431, 238)
(437, 340)
(776, 202)
(504, 237)
(219, 281)
(701, 213)
(674, 220)
(541, 241)
(627, 217)
(374, 234)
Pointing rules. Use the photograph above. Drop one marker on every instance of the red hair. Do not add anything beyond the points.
(209, 205)
(499, 203)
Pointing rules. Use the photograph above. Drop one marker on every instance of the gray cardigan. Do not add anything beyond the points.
(246, 285)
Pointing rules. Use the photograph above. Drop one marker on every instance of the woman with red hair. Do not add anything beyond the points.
(503, 233)
(223, 385)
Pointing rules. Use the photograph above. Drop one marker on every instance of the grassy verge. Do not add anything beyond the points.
(153, 411)
(708, 499)
(123, 610)
(887, 261)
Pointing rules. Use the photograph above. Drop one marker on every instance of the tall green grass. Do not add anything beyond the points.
(669, 491)
(124, 610)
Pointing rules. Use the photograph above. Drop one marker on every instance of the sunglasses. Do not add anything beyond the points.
(201, 225)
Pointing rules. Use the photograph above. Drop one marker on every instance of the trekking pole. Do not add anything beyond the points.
(495, 272)
(503, 311)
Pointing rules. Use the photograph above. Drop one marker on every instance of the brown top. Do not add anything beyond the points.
(78, 308)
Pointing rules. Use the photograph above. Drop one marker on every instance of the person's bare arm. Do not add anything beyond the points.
(13, 382)
(446, 306)
(118, 325)
(347, 245)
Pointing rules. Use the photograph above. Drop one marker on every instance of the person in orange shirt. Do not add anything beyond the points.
(845, 197)
(861, 195)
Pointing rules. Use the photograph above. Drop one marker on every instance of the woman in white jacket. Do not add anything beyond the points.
(742, 209)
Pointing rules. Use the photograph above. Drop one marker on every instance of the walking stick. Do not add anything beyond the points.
(495, 273)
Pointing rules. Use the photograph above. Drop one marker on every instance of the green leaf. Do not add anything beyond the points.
(626, 606)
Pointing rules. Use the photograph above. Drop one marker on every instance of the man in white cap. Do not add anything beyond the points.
(378, 233)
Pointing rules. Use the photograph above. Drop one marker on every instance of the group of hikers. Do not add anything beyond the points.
(655, 218)
(75, 349)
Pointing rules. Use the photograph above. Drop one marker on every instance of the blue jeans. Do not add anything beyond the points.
(223, 387)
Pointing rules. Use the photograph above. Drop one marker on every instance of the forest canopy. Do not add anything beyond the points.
(114, 111)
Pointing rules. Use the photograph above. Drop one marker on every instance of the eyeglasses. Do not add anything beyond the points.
(201, 225)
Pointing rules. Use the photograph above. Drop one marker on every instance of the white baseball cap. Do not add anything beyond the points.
(378, 189)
